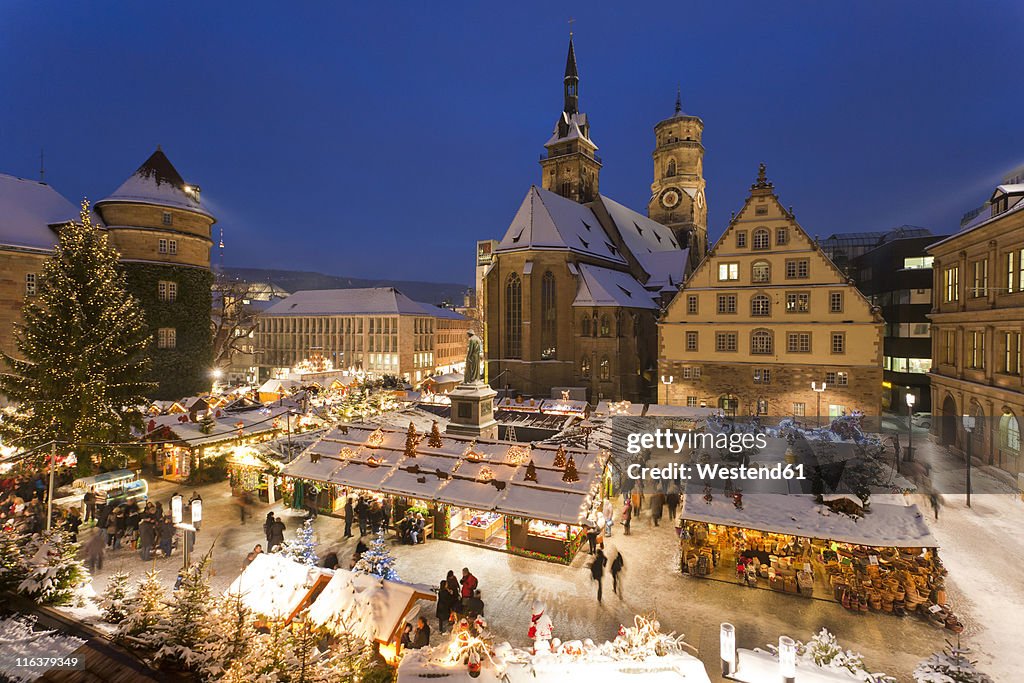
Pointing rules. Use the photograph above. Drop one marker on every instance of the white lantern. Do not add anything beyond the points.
(727, 642)
(911, 400)
(176, 508)
(197, 511)
(787, 659)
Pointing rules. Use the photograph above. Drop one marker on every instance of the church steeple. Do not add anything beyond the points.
(572, 82)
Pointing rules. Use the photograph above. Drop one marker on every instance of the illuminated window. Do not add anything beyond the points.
(604, 369)
(761, 272)
(977, 349)
(585, 367)
(1009, 433)
(762, 376)
(951, 283)
(30, 284)
(979, 285)
(166, 338)
(728, 271)
(798, 302)
(606, 326)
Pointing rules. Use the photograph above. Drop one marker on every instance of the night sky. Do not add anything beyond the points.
(384, 139)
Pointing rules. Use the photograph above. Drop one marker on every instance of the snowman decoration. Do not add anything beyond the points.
(541, 628)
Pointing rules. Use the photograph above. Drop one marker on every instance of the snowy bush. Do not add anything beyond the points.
(20, 639)
(824, 651)
(115, 601)
(303, 548)
(188, 627)
(949, 666)
(54, 575)
(146, 611)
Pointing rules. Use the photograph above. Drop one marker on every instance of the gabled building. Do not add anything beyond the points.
(764, 316)
(571, 293)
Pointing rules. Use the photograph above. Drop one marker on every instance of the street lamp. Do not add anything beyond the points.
(911, 399)
(727, 646)
(969, 424)
(197, 511)
(819, 391)
(176, 508)
(787, 659)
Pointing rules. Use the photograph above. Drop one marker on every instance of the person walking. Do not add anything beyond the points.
(672, 501)
(597, 570)
(936, 502)
(349, 514)
(276, 536)
(627, 516)
(609, 517)
(616, 569)
(90, 504)
(147, 533)
(445, 602)
(657, 504)
(243, 508)
(267, 524)
(592, 535)
(94, 552)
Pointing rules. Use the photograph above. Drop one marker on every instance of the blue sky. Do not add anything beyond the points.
(383, 139)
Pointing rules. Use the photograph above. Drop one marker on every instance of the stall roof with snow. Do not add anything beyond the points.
(884, 525)
(277, 587)
(479, 474)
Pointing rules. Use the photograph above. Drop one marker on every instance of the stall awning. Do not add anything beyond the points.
(886, 525)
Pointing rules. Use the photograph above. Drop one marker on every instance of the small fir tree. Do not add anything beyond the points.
(115, 601)
(950, 666)
(234, 635)
(435, 436)
(570, 475)
(188, 627)
(207, 424)
(303, 548)
(531, 472)
(147, 610)
(412, 439)
(377, 560)
(54, 575)
(82, 349)
(12, 559)
(560, 456)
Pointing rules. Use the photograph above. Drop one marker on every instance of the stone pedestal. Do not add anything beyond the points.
(473, 411)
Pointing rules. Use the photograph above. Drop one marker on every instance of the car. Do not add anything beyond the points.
(922, 420)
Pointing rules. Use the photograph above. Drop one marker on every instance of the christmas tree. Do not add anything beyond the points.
(115, 598)
(531, 472)
(233, 637)
(12, 561)
(411, 441)
(377, 560)
(146, 611)
(949, 666)
(560, 456)
(570, 474)
(207, 424)
(303, 548)
(435, 436)
(82, 349)
(187, 630)
(55, 575)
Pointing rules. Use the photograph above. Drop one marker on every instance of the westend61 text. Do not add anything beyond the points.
(666, 439)
(709, 472)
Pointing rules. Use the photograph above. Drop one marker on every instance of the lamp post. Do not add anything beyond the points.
(787, 659)
(177, 510)
(819, 391)
(969, 424)
(911, 399)
(727, 647)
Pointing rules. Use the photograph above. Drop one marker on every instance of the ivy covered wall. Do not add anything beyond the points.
(185, 369)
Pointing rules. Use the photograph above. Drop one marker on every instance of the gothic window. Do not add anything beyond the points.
(566, 188)
(760, 306)
(761, 342)
(761, 272)
(585, 325)
(620, 328)
(585, 367)
(671, 170)
(548, 334)
(513, 317)
(762, 239)
(636, 325)
(604, 370)
(606, 326)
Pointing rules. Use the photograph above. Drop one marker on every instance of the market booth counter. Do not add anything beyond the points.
(503, 495)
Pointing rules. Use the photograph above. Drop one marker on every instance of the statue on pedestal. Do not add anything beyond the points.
(474, 359)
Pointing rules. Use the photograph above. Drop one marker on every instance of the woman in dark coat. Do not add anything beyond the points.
(597, 570)
(456, 591)
(445, 600)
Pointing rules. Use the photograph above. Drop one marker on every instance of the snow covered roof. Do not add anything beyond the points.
(546, 220)
(157, 182)
(461, 471)
(570, 127)
(648, 240)
(28, 211)
(360, 301)
(274, 585)
(886, 525)
(757, 666)
(604, 287)
(224, 428)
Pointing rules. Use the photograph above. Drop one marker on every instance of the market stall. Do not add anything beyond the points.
(521, 498)
(883, 559)
(276, 587)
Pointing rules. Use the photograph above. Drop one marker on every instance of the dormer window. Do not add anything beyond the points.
(167, 218)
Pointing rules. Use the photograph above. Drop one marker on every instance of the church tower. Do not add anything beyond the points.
(677, 193)
(571, 168)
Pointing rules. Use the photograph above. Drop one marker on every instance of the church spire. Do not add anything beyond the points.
(679, 100)
(572, 82)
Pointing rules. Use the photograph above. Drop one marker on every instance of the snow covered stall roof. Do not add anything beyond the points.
(482, 475)
(886, 525)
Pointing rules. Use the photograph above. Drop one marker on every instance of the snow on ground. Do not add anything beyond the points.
(19, 639)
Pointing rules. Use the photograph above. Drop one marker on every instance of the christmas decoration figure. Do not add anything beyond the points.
(412, 439)
(303, 548)
(531, 472)
(560, 456)
(377, 560)
(82, 362)
(570, 475)
(541, 629)
(435, 436)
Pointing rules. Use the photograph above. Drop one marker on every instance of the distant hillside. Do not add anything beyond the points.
(295, 280)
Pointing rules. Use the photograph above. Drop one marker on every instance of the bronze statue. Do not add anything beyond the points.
(474, 359)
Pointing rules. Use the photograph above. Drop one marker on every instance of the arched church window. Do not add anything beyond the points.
(585, 325)
(585, 367)
(513, 316)
(548, 333)
(604, 371)
(606, 326)
(671, 170)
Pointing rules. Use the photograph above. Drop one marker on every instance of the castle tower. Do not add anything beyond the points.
(155, 220)
(571, 168)
(677, 193)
